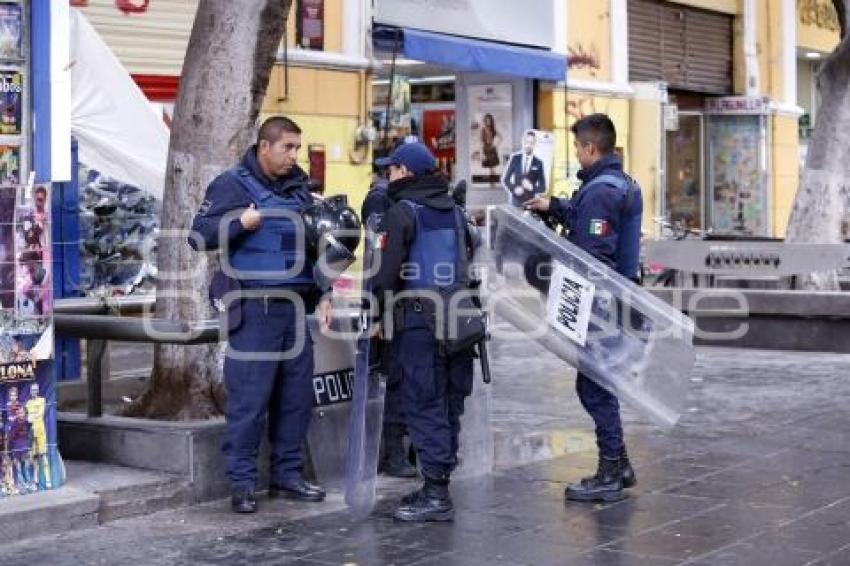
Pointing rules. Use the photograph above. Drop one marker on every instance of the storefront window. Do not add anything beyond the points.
(310, 17)
(683, 196)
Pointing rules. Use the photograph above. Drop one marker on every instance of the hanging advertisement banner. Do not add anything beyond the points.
(491, 132)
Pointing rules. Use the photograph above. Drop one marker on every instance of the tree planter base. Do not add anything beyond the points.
(190, 449)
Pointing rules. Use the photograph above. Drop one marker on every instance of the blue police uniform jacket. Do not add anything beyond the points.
(604, 215)
(275, 254)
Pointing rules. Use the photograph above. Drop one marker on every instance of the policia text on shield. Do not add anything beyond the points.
(253, 214)
(603, 218)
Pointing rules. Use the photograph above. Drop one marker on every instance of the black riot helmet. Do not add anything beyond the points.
(332, 231)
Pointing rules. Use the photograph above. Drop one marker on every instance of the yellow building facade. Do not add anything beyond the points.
(772, 47)
(324, 87)
(768, 38)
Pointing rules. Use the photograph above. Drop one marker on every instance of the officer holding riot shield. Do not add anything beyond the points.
(603, 218)
(394, 457)
(253, 214)
(424, 254)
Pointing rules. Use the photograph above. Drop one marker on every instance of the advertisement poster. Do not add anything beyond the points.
(11, 94)
(491, 132)
(737, 182)
(400, 103)
(438, 133)
(10, 164)
(29, 458)
(529, 171)
(10, 30)
(311, 20)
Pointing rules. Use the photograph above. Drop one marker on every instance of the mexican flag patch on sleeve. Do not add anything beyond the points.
(599, 227)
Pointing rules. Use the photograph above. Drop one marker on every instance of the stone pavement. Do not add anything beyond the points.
(756, 473)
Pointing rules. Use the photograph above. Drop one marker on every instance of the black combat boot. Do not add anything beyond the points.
(626, 471)
(243, 501)
(431, 503)
(606, 486)
(395, 462)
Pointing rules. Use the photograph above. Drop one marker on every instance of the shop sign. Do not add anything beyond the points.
(671, 117)
(524, 23)
(818, 13)
(737, 105)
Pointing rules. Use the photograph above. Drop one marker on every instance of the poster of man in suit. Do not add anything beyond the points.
(528, 171)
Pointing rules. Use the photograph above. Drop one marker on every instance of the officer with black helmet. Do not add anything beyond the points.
(252, 212)
(424, 247)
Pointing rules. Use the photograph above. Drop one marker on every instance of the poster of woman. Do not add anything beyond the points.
(491, 132)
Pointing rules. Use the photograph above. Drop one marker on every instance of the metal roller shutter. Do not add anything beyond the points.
(687, 48)
(150, 42)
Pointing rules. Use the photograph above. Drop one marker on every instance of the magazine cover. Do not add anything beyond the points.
(29, 457)
(10, 164)
(10, 30)
(11, 94)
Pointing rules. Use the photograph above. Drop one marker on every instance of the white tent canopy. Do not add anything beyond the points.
(118, 132)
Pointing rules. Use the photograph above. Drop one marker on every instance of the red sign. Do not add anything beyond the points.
(438, 132)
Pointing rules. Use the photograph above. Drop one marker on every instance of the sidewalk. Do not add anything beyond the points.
(756, 473)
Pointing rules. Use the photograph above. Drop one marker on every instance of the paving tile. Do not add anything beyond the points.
(804, 536)
(371, 555)
(649, 510)
(750, 554)
(839, 557)
(614, 558)
(669, 545)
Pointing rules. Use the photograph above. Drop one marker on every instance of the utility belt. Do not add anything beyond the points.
(308, 296)
(457, 325)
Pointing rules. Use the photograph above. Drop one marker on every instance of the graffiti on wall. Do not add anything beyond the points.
(581, 57)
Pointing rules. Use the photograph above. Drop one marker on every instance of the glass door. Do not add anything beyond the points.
(683, 195)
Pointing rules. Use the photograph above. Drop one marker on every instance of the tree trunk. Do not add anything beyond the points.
(226, 72)
(820, 212)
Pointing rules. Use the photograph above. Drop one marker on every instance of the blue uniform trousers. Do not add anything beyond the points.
(268, 375)
(394, 399)
(433, 390)
(604, 408)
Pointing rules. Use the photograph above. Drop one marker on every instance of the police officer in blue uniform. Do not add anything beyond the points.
(251, 213)
(394, 458)
(603, 218)
(424, 239)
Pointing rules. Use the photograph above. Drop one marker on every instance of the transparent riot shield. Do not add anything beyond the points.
(475, 456)
(366, 418)
(610, 329)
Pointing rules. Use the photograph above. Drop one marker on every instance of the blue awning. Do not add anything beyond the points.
(466, 54)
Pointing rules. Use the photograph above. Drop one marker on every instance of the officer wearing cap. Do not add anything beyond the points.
(253, 213)
(394, 457)
(425, 237)
(603, 218)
